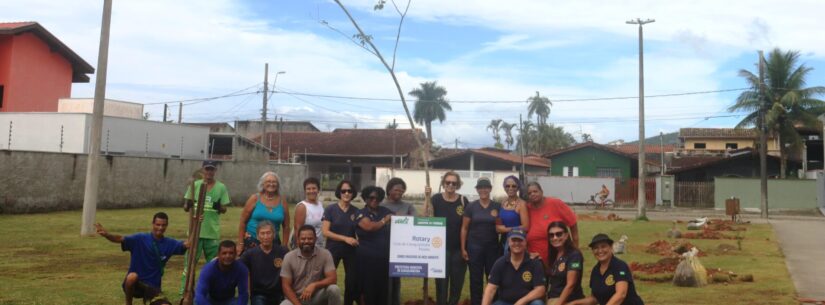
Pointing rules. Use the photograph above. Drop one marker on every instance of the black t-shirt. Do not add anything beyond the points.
(265, 269)
(603, 286)
(341, 223)
(453, 211)
(376, 243)
(513, 284)
(571, 261)
(482, 230)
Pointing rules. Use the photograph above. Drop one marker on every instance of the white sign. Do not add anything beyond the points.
(417, 247)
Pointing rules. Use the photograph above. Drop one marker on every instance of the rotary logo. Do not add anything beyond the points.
(494, 213)
(352, 217)
(609, 280)
(561, 267)
(459, 210)
(278, 262)
(527, 276)
(437, 242)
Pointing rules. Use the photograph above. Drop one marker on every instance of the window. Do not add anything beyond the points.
(731, 145)
(608, 172)
(699, 146)
(570, 171)
(1, 96)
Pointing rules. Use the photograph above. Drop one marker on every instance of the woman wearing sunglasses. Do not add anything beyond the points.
(373, 249)
(513, 212)
(338, 226)
(565, 272)
(450, 205)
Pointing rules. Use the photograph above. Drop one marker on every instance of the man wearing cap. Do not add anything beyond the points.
(217, 199)
(518, 279)
(479, 239)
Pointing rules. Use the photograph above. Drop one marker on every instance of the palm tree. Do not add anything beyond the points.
(525, 136)
(508, 133)
(787, 101)
(540, 106)
(495, 126)
(430, 106)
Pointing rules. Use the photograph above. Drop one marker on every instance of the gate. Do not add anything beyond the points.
(691, 194)
(627, 192)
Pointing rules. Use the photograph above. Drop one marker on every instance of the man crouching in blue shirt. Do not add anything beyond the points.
(221, 277)
(149, 254)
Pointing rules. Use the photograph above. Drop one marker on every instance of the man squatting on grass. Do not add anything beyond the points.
(220, 278)
(149, 253)
(264, 263)
(308, 275)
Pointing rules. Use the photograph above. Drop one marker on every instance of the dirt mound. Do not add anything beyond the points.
(707, 233)
(664, 265)
(725, 225)
(667, 249)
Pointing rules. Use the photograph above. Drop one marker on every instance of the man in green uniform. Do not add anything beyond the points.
(217, 199)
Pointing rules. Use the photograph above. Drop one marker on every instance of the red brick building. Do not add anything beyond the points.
(36, 69)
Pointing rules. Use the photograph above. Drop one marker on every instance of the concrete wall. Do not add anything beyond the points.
(110, 107)
(69, 133)
(40, 182)
(782, 194)
(416, 180)
(576, 189)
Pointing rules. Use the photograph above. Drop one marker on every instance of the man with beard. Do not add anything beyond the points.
(149, 254)
(308, 274)
(221, 277)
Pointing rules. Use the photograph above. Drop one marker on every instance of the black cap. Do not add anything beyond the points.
(600, 238)
(484, 182)
(210, 163)
(517, 233)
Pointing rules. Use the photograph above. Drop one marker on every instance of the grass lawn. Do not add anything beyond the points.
(45, 262)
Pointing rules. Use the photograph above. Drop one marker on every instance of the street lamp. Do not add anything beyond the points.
(642, 200)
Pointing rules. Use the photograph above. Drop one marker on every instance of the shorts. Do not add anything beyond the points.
(151, 295)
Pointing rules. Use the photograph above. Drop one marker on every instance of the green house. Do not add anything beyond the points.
(594, 160)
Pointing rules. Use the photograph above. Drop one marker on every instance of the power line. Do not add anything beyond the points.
(205, 99)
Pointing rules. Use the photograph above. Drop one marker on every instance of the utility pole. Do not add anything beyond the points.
(521, 135)
(91, 189)
(763, 139)
(662, 151)
(456, 143)
(642, 201)
(165, 111)
(264, 142)
(395, 127)
(281, 135)
(180, 113)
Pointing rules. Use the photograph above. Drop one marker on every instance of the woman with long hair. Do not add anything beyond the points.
(513, 212)
(267, 204)
(567, 263)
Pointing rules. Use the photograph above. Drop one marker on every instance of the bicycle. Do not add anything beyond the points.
(600, 204)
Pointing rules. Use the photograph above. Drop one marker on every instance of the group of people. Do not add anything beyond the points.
(525, 248)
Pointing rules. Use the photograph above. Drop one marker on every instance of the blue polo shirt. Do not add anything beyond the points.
(376, 243)
(571, 261)
(341, 223)
(603, 286)
(513, 284)
(482, 229)
(149, 255)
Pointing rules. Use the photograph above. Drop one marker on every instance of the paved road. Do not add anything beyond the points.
(804, 249)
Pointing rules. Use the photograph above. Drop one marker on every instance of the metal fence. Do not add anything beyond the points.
(694, 194)
(627, 192)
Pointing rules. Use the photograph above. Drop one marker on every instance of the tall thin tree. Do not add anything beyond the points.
(495, 127)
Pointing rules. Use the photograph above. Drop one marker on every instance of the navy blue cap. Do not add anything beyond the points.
(210, 163)
(518, 233)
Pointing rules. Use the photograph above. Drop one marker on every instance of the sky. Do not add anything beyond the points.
(489, 55)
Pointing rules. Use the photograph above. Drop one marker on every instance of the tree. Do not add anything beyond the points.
(495, 126)
(540, 106)
(586, 137)
(543, 139)
(787, 101)
(430, 106)
(508, 133)
(392, 125)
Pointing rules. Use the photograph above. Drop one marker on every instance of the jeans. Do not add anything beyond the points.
(453, 282)
(329, 295)
(351, 291)
(533, 302)
(260, 299)
(482, 258)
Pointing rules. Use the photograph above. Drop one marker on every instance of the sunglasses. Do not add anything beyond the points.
(511, 186)
(556, 234)
(452, 183)
(346, 191)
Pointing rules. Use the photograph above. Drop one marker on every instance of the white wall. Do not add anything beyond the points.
(111, 108)
(416, 180)
(576, 189)
(122, 136)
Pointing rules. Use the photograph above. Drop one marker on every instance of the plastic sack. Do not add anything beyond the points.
(690, 272)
